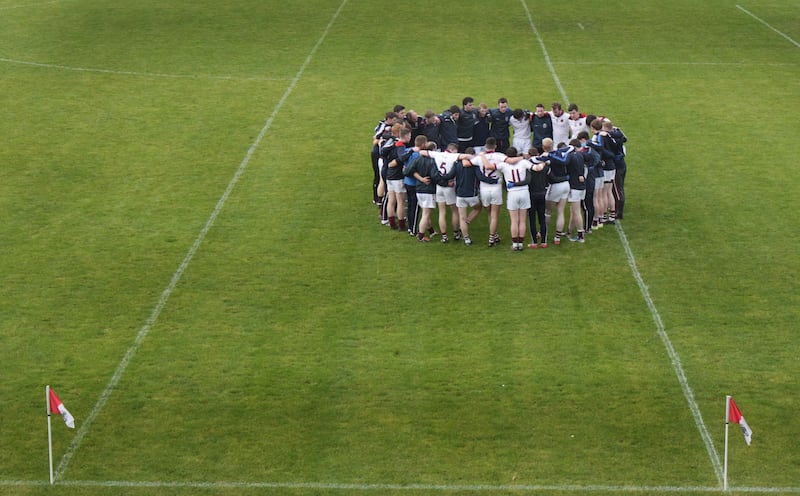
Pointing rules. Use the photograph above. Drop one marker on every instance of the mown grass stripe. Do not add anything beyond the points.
(673, 355)
(162, 301)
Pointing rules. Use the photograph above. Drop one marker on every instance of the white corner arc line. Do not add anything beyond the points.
(762, 21)
(673, 355)
(162, 301)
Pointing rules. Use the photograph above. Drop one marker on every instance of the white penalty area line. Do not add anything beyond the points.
(673, 355)
(483, 488)
(762, 21)
(176, 277)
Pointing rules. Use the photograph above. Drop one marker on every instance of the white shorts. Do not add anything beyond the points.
(609, 175)
(396, 186)
(445, 194)
(557, 192)
(518, 199)
(492, 195)
(467, 201)
(576, 195)
(598, 183)
(521, 144)
(426, 200)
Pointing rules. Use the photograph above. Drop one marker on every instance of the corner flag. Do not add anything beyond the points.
(735, 415)
(57, 407)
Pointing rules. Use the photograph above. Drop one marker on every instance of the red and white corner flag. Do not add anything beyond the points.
(735, 415)
(57, 407)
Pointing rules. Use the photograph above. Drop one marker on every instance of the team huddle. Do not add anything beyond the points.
(464, 159)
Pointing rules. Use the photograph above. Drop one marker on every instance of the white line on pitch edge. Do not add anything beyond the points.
(25, 5)
(365, 487)
(762, 21)
(673, 355)
(162, 301)
(135, 73)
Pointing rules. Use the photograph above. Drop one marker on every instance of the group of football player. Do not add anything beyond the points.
(466, 159)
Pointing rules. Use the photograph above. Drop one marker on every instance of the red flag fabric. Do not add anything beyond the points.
(735, 415)
(56, 406)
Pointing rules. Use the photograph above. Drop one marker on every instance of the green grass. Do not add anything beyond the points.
(305, 345)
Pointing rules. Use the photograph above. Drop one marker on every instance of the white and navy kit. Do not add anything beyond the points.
(518, 197)
(492, 194)
(445, 161)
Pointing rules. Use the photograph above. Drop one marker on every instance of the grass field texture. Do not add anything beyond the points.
(191, 257)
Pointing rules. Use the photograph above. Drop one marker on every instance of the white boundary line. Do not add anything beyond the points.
(25, 5)
(367, 487)
(485, 488)
(762, 21)
(673, 355)
(176, 277)
(731, 64)
(134, 73)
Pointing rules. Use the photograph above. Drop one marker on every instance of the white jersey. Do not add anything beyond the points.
(444, 161)
(494, 158)
(522, 129)
(514, 173)
(578, 125)
(561, 128)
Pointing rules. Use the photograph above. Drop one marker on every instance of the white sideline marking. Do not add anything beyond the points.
(134, 73)
(732, 64)
(22, 6)
(504, 488)
(673, 355)
(162, 301)
(767, 25)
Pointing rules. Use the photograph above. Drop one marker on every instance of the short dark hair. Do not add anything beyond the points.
(466, 100)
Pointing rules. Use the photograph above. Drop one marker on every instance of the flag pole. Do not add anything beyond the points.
(49, 432)
(727, 420)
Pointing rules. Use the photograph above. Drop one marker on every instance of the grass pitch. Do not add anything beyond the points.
(196, 174)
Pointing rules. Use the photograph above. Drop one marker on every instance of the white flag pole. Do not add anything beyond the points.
(49, 432)
(727, 420)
